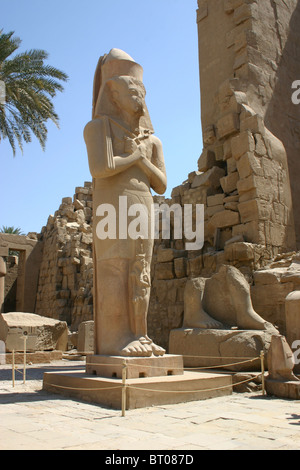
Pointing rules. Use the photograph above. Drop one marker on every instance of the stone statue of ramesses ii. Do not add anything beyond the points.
(126, 160)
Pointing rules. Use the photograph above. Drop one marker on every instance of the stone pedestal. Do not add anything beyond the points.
(141, 392)
(282, 389)
(136, 367)
(150, 381)
(224, 348)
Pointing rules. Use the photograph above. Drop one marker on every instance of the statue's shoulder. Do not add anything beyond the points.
(96, 125)
(155, 141)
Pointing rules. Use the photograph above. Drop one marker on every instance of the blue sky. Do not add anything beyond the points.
(161, 35)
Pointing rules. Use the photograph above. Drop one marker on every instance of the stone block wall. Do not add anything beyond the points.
(246, 169)
(66, 274)
(254, 196)
(241, 48)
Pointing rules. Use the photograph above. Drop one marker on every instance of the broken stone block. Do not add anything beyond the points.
(292, 319)
(253, 123)
(254, 210)
(260, 147)
(164, 271)
(231, 165)
(165, 255)
(242, 143)
(225, 219)
(239, 252)
(248, 164)
(215, 200)
(85, 340)
(209, 178)
(228, 125)
(281, 380)
(43, 334)
(209, 135)
(229, 183)
(207, 160)
(180, 267)
(214, 209)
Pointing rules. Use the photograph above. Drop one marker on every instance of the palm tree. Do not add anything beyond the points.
(30, 84)
(12, 230)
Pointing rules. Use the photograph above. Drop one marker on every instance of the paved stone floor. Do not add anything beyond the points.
(32, 419)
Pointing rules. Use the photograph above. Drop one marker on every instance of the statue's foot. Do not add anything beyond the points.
(203, 321)
(157, 350)
(142, 347)
(136, 349)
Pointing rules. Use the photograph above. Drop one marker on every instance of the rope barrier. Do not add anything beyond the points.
(132, 364)
(221, 365)
(151, 389)
(86, 389)
(191, 391)
(124, 386)
(217, 357)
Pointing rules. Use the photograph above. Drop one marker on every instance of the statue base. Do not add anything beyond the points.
(229, 349)
(281, 389)
(165, 382)
(136, 367)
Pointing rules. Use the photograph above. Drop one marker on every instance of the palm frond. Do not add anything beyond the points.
(30, 85)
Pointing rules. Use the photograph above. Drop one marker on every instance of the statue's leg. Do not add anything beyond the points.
(111, 311)
(194, 314)
(247, 318)
(114, 335)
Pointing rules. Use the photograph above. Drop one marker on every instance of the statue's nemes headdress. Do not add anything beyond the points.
(115, 64)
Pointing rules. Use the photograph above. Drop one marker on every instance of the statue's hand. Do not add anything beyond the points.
(143, 152)
(130, 146)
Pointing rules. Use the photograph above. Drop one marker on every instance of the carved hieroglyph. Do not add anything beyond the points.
(125, 160)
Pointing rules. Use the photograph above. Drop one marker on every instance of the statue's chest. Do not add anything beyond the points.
(118, 142)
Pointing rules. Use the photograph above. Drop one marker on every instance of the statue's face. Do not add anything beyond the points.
(129, 94)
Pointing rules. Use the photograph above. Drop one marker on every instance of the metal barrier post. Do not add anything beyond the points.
(262, 359)
(124, 373)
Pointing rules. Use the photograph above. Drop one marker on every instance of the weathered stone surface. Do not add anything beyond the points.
(164, 271)
(281, 380)
(242, 143)
(229, 182)
(240, 251)
(207, 160)
(292, 318)
(43, 334)
(165, 255)
(227, 298)
(211, 348)
(85, 340)
(66, 275)
(215, 200)
(228, 125)
(209, 178)
(248, 164)
(225, 219)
